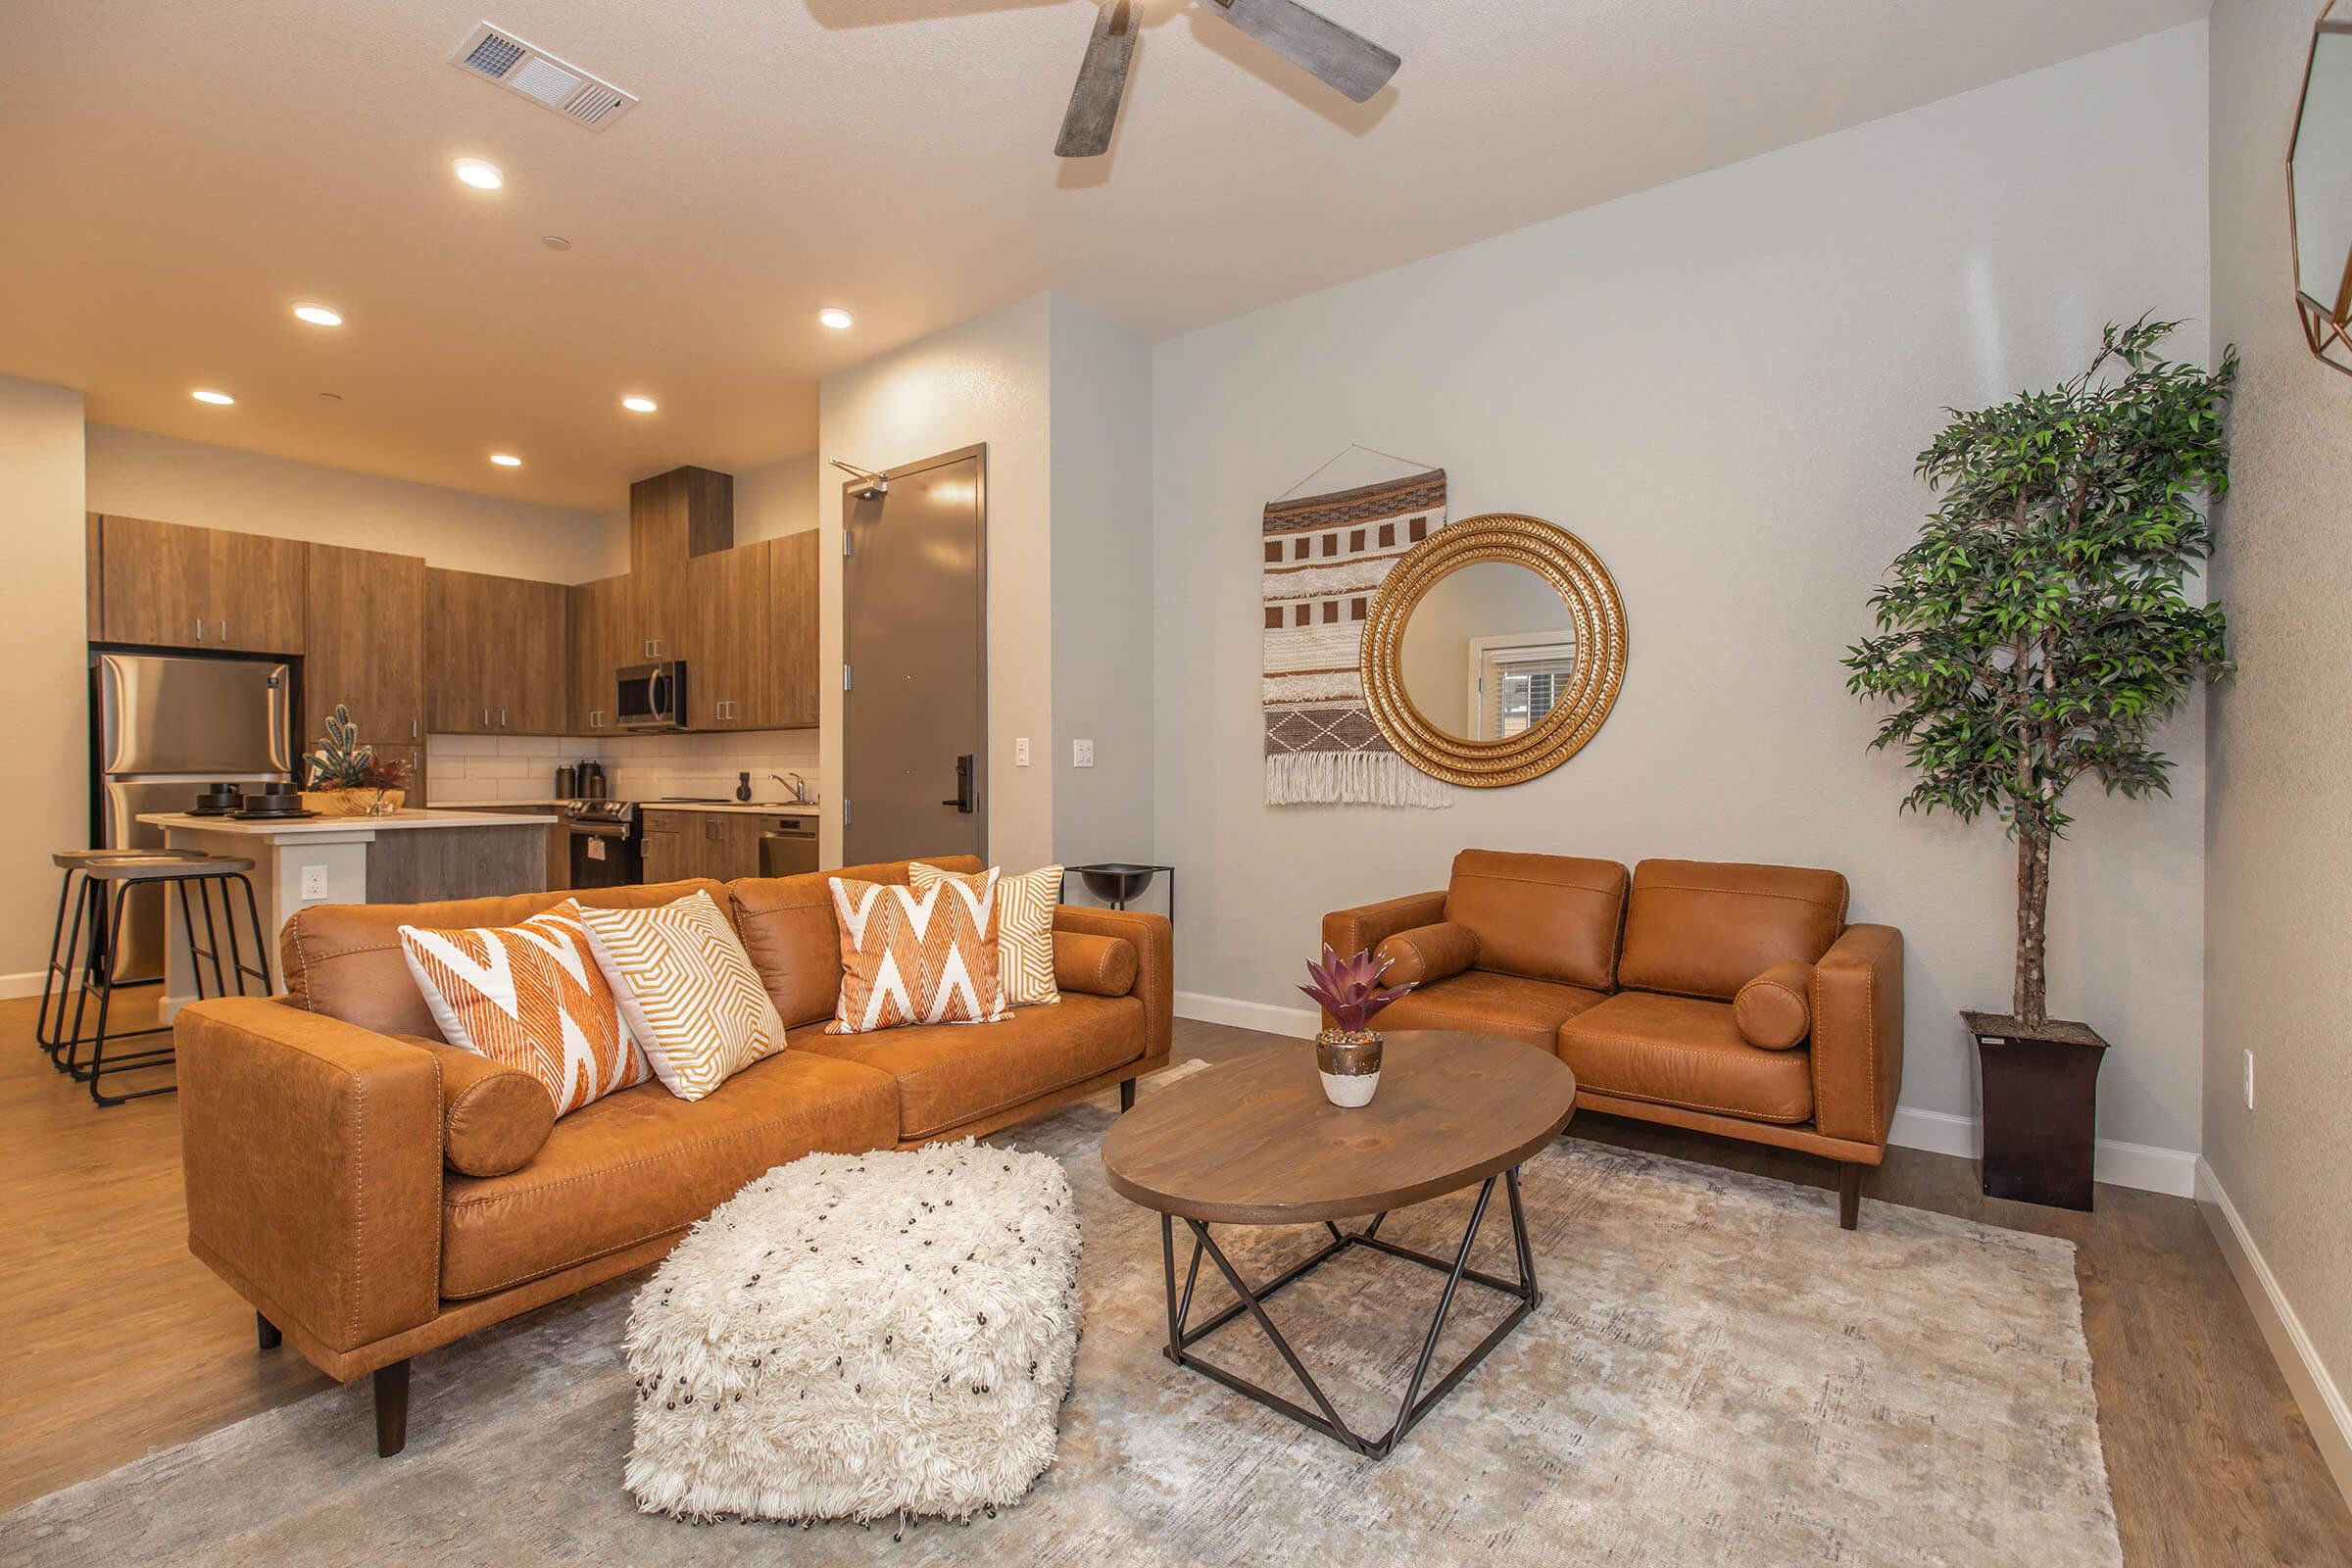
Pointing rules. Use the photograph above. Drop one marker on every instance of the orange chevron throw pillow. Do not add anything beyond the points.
(917, 958)
(530, 997)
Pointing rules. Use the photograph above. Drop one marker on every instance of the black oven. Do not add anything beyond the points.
(651, 696)
(608, 849)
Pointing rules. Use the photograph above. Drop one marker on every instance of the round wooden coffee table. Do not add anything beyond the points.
(1253, 1142)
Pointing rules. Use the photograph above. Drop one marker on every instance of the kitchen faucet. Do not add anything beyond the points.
(799, 787)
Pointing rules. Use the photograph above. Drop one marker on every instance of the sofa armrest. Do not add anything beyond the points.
(1154, 943)
(1349, 932)
(311, 1149)
(1857, 1000)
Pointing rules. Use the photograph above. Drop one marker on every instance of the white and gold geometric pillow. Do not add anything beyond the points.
(688, 991)
(1024, 927)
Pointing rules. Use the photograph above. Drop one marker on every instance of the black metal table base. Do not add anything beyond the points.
(1325, 1416)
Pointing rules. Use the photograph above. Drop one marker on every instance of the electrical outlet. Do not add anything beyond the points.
(1020, 752)
(1082, 754)
(2249, 1080)
(313, 881)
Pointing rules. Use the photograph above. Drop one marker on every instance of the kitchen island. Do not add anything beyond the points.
(406, 858)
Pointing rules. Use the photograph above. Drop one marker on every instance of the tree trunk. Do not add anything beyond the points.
(2029, 1003)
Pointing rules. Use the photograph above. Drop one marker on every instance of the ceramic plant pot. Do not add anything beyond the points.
(1350, 1066)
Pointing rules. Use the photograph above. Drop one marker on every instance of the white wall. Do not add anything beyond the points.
(2278, 866)
(1721, 385)
(776, 499)
(986, 380)
(42, 606)
(136, 474)
(1102, 510)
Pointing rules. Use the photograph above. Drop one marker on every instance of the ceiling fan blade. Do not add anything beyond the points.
(1353, 64)
(1101, 83)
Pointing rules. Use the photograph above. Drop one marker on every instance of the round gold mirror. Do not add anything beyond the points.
(1493, 651)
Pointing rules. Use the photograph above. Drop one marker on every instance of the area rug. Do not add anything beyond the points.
(1717, 1375)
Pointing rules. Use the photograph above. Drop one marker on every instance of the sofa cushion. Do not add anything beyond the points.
(689, 992)
(1542, 917)
(1704, 928)
(643, 1164)
(948, 1074)
(1681, 1051)
(493, 1117)
(912, 956)
(344, 960)
(1487, 1004)
(1096, 966)
(1024, 927)
(1772, 1011)
(788, 928)
(1426, 954)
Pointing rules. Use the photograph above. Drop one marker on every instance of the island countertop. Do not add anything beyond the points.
(300, 826)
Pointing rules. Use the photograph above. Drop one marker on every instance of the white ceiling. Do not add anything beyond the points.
(177, 175)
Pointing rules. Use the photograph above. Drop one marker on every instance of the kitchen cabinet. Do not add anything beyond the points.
(498, 659)
(366, 644)
(673, 517)
(725, 644)
(167, 585)
(791, 633)
(664, 840)
(601, 643)
(720, 845)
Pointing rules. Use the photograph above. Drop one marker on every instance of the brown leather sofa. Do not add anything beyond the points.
(375, 1192)
(1656, 988)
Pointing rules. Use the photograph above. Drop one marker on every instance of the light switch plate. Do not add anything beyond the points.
(313, 881)
(1021, 751)
(1082, 754)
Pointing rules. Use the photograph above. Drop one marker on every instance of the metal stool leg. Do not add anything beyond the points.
(106, 995)
(70, 975)
(88, 911)
(260, 943)
(42, 1032)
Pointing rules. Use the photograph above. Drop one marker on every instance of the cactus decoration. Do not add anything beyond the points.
(342, 761)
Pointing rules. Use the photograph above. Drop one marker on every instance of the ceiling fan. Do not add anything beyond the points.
(1325, 50)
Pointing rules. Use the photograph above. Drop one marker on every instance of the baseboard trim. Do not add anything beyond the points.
(2307, 1377)
(13, 986)
(2169, 1171)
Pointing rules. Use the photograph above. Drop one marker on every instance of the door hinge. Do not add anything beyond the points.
(846, 682)
(845, 810)
(849, 543)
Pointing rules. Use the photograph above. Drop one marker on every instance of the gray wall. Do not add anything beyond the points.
(1721, 385)
(2279, 867)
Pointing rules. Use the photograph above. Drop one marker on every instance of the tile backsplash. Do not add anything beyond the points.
(640, 767)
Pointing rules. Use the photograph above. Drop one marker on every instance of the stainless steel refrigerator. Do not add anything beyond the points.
(166, 728)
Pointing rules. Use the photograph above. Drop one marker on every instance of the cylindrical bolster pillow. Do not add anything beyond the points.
(1096, 966)
(1771, 1009)
(493, 1117)
(1426, 953)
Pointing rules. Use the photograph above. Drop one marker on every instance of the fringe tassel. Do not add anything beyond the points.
(1375, 778)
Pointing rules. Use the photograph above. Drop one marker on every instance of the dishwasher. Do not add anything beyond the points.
(788, 846)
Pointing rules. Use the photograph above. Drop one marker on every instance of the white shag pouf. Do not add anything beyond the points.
(856, 1336)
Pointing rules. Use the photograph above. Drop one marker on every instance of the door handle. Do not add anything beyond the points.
(963, 785)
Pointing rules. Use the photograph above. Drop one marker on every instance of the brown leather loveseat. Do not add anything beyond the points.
(375, 1192)
(1723, 998)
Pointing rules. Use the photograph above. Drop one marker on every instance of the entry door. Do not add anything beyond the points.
(914, 641)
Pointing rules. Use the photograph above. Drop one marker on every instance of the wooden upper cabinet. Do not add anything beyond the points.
(602, 616)
(673, 517)
(167, 585)
(792, 615)
(726, 638)
(367, 613)
(498, 658)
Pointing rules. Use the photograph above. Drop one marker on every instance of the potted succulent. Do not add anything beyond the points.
(1351, 993)
(2041, 630)
(340, 768)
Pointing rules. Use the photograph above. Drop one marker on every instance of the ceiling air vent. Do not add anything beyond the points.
(550, 83)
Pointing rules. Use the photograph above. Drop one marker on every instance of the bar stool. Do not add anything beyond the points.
(122, 872)
(66, 943)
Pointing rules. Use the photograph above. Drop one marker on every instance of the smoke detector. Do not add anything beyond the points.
(493, 52)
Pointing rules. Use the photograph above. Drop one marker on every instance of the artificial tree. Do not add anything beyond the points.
(2042, 627)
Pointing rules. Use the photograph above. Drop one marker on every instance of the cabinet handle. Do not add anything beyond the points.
(200, 629)
(485, 718)
(416, 729)
(502, 719)
(224, 631)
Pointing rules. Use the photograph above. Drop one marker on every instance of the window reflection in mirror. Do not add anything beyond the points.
(1487, 652)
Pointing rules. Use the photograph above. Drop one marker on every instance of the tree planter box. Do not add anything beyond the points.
(2041, 1107)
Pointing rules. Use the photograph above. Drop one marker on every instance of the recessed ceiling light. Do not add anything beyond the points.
(555, 242)
(318, 315)
(834, 317)
(207, 395)
(639, 404)
(506, 459)
(330, 397)
(479, 175)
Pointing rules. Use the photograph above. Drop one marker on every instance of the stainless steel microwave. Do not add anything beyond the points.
(652, 696)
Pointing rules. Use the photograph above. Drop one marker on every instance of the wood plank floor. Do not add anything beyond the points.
(120, 1343)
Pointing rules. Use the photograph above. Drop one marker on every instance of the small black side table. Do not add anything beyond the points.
(1115, 882)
